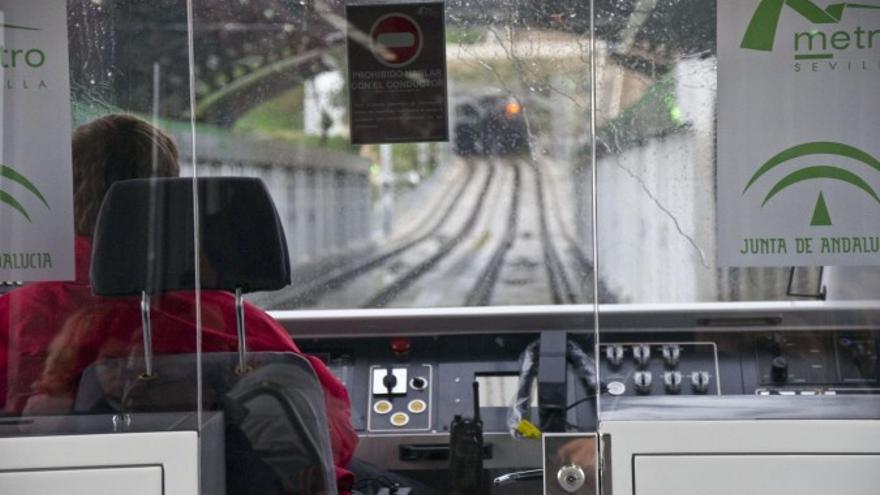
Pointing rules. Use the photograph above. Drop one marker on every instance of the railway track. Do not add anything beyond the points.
(481, 292)
(389, 292)
(337, 278)
(584, 267)
(502, 241)
(560, 286)
(525, 267)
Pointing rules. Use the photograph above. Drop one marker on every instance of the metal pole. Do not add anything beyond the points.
(239, 327)
(148, 334)
(423, 156)
(387, 161)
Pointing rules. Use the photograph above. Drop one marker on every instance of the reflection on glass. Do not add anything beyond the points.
(655, 140)
(498, 216)
(500, 390)
(57, 329)
(570, 464)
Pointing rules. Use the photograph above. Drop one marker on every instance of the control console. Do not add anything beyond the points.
(660, 368)
(400, 398)
(823, 363)
(419, 387)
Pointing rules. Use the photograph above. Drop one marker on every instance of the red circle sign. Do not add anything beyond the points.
(397, 40)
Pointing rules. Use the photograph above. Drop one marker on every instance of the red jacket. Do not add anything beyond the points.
(34, 316)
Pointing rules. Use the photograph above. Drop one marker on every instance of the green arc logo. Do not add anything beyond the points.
(5, 198)
(761, 32)
(821, 217)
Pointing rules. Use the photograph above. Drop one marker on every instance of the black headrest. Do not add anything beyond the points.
(144, 237)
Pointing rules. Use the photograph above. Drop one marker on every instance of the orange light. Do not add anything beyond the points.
(512, 108)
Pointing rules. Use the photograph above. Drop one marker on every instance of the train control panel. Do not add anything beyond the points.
(409, 387)
(421, 388)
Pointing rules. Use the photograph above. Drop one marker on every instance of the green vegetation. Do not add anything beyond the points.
(284, 112)
(84, 112)
(655, 114)
(458, 35)
(282, 118)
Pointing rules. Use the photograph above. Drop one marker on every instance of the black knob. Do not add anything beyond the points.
(418, 383)
(779, 369)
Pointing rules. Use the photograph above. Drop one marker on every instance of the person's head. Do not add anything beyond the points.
(113, 148)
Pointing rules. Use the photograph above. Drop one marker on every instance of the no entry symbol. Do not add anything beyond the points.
(397, 40)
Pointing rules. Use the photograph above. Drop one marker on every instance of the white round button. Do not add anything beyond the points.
(400, 419)
(417, 406)
(382, 407)
(616, 388)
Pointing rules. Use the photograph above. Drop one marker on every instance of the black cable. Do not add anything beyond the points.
(574, 404)
(579, 402)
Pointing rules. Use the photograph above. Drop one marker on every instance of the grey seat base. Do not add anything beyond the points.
(276, 411)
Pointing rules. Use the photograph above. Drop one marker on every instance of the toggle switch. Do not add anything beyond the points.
(700, 382)
(643, 381)
(614, 354)
(671, 355)
(672, 381)
(641, 354)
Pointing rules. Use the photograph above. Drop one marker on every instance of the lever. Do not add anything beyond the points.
(389, 381)
(527, 475)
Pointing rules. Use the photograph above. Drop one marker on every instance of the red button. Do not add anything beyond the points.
(400, 345)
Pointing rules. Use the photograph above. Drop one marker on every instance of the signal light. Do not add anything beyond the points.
(512, 108)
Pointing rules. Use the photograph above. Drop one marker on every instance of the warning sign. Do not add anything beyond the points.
(396, 40)
(397, 73)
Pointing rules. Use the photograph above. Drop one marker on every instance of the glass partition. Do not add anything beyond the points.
(497, 216)
(86, 319)
(156, 318)
(661, 195)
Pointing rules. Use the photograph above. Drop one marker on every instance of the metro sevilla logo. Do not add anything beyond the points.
(396, 40)
(761, 33)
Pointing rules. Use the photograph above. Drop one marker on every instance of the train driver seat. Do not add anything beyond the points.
(276, 433)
